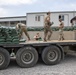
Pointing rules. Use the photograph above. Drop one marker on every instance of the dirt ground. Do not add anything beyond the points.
(65, 67)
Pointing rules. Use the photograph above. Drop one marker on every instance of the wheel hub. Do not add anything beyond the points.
(51, 55)
(27, 57)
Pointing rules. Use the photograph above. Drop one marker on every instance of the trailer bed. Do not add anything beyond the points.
(64, 42)
(41, 43)
(52, 41)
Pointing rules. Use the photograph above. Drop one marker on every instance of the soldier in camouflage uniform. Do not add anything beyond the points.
(47, 27)
(22, 28)
(61, 26)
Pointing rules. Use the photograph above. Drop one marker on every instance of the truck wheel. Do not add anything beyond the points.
(51, 55)
(26, 57)
(4, 58)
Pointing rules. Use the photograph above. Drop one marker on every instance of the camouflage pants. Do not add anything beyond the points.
(61, 35)
(23, 29)
(46, 30)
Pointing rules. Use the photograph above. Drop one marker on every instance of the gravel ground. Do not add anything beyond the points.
(65, 67)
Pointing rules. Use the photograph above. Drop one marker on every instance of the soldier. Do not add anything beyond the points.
(37, 37)
(61, 26)
(22, 28)
(47, 27)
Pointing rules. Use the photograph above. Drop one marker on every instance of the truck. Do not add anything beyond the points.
(27, 53)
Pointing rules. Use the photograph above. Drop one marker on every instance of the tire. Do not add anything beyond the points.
(51, 55)
(26, 57)
(4, 58)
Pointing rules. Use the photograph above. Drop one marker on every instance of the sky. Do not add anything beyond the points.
(10, 8)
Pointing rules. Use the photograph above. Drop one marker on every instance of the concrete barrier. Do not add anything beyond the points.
(68, 35)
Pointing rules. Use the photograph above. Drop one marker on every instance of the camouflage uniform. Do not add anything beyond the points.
(61, 35)
(22, 28)
(47, 29)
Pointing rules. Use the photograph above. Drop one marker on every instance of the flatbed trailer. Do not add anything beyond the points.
(27, 53)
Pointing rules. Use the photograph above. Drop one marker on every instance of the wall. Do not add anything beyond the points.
(31, 20)
(69, 35)
(67, 18)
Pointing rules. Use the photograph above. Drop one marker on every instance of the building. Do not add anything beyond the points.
(37, 19)
(12, 21)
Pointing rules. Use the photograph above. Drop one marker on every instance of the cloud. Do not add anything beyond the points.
(70, 6)
(16, 2)
(3, 12)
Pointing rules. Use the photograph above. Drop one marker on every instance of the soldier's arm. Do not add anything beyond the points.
(17, 27)
(48, 19)
(62, 24)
